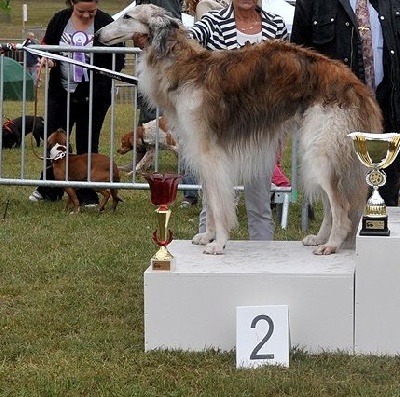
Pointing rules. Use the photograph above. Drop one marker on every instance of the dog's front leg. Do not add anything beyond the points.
(204, 238)
(215, 236)
(72, 197)
(221, 202)
(206, 223)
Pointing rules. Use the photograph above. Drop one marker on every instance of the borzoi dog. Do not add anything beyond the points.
(232, 108)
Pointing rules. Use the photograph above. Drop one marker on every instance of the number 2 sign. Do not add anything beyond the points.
(262, 336)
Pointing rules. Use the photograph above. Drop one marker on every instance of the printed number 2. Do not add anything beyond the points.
(254, 354)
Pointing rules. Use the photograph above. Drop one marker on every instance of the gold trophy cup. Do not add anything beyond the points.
(376, 151)
(163, 190)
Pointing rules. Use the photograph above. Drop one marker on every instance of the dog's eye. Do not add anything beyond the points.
(127, 16)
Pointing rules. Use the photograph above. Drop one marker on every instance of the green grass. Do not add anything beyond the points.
(71, 309)
(71, 298)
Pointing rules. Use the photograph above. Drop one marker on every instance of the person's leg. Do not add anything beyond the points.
(56, 118)
(258, 205)
(146, 113)
(47, 192)
(278, 177)
(80, 109)
(190, 197)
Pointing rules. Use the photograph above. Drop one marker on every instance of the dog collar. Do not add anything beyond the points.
(7, 125)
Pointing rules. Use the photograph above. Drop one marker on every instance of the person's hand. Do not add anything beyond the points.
(140, 40)
(4, 48)
(43, 61)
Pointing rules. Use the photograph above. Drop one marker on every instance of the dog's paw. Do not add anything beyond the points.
(214, 248)
(325, 250)
(202, 238)
(312, 240)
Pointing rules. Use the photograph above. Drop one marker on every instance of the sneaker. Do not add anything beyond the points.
(89, 205)
(36, 196)
(188, 202)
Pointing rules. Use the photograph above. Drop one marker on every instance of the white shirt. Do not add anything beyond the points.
(243, 38)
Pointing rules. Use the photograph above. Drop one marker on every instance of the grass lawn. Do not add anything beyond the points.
(71, 297)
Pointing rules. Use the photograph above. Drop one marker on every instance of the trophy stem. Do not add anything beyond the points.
(163, 259)
(163, 215)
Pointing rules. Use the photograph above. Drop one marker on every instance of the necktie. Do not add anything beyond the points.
(364, 28)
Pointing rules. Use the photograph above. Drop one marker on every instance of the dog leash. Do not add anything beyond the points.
(126, 78)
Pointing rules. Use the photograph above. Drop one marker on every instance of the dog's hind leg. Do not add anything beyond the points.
(341, 223)
(325, 228)
(106, 196)
(355, 216)
(115, 198)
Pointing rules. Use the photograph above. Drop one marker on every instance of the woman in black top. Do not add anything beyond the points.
(76, 25)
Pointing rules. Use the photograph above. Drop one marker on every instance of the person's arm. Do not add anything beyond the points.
(205, 6)
(51, 36)
(302, 26)
(281, 33)
(202, 30)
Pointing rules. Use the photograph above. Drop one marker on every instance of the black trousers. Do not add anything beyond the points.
(146, 113)
(390, 191)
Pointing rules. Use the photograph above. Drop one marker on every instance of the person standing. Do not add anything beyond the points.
(230, 28)
(334, 28)
(174, 7)
(76, 25)
(31, 59)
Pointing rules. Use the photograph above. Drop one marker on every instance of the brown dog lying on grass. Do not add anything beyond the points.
(77, 170)
(146, 142)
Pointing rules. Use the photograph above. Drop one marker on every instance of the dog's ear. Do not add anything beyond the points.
(62, 131)
(162, 27)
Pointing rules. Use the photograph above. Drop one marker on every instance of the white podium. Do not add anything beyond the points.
(377, 291)
(348, 301)
(194, 307)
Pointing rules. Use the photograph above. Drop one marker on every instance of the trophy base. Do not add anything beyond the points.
(166, 265)
(374, 226)
(163, 260)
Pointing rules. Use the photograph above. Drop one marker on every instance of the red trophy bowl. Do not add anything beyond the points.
(163, 189)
